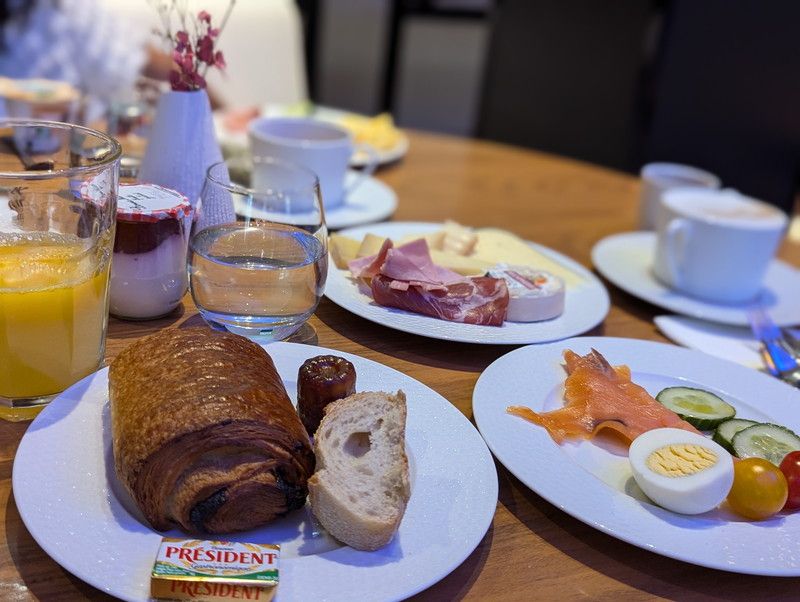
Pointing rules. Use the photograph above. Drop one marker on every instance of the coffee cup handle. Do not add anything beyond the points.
(367, 170)
(674, 246)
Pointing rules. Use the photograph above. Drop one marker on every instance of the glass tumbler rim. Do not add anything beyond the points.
(275, 161)
(68, 172)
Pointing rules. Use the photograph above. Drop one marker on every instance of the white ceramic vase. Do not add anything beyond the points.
(181, 147)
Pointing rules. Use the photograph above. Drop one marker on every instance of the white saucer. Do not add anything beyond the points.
(371, 201)
(626, 259)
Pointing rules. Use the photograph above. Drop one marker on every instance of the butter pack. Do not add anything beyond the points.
(193, 569)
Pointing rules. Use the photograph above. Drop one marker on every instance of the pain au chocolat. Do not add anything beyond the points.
(205, 437)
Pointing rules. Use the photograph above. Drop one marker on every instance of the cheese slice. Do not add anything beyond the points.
(370, 245)
(498, 246)
(434, 239)
(466, 266)
(342, 249)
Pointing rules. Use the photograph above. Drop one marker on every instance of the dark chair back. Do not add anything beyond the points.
(727, 94)
(564, 76)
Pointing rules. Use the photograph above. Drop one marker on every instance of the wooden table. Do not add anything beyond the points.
(532, 550)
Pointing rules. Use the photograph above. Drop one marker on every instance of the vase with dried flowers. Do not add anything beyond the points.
(182, 144)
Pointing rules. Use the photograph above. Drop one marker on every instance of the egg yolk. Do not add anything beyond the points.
(681, 460)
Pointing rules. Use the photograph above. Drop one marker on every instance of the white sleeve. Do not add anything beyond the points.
(107, 49)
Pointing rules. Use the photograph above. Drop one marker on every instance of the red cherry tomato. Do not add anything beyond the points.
(790, 467)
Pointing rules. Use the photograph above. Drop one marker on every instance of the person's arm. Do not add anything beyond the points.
(158, 66)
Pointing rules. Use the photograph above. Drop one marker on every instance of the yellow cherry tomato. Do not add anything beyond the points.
(759, 489)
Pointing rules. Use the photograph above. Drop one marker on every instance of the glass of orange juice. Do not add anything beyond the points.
(58, 196)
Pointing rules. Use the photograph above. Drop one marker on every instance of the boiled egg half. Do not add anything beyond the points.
(681, 471)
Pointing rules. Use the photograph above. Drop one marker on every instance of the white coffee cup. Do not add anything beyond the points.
(716, 245)
(657, 178)
(322, 147)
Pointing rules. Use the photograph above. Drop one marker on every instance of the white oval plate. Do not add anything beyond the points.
(593, 482)
(586, 304)
(371, 201)
(626, 259)
(70, 500)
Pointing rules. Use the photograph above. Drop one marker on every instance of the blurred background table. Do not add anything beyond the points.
(532, 550)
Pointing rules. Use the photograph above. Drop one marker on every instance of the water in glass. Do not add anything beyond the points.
(268, 277)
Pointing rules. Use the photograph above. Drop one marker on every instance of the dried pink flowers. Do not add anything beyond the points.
(193, 43)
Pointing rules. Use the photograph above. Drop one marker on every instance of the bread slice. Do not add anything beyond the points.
(361, 486)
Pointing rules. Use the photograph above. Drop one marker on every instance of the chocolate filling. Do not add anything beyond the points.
(204, 511)
(295, 494)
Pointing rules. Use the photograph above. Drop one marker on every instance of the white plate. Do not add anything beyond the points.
(594, 483)
(586, 304)
(66, 492)
(371, 201)
(237, 143)
(384, 155)
(626, 259)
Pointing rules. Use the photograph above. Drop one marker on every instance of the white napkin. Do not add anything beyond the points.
(734, 343)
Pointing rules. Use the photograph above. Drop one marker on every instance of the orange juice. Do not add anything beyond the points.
(53, 308)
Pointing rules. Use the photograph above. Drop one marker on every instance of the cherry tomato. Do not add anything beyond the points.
(790, 467)
(759, 489)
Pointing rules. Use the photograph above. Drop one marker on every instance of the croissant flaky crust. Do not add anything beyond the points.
(205, 437)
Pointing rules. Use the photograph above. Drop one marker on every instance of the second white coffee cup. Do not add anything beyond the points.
(716, 244)
(657, 178)
(324, 148)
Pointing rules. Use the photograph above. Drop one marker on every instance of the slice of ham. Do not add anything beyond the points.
(412, 262)
(368, 267)
(477, 300)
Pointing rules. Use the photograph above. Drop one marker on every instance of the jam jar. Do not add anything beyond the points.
(148, 272)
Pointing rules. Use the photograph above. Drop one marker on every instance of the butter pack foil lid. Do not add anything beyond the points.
(214, 570)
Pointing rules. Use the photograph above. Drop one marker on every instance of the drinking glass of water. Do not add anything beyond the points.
(262, 277)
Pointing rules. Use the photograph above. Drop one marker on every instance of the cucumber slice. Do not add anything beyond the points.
(725, 431)
(768, 441)
(702, 409)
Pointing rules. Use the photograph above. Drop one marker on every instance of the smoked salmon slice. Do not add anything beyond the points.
(599, 396)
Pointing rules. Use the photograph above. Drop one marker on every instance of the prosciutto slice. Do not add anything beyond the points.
(477, 300)
(406, 277)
